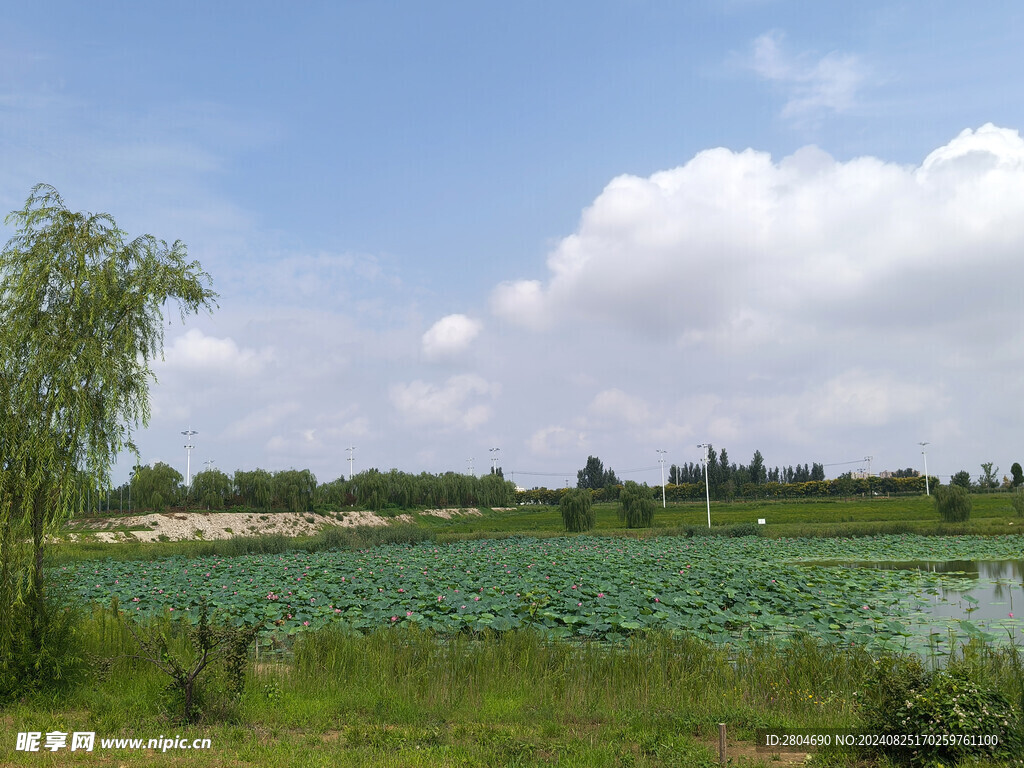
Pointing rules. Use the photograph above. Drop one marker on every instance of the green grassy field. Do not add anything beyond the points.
(409, 697)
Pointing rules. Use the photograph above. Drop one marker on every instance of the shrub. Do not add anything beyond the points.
(43, 652)
(636, 506)
(901, 698)
(953, 503)
(577, 510)
(208, 645)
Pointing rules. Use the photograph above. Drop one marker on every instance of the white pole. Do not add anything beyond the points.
(494, 460)
(707, 487)
(188, 455)
(661, 460)
(925, 454)
(351, 458)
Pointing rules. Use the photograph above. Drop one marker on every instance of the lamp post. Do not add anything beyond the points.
(707, 488)
(494, 460)
(188, 455)
(661, 460)
(470, 461)
(351, 459)
(925, 454)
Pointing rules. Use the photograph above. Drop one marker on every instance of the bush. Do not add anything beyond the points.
(901, 698)
(577, 510)
(953, 503)
(44, 653)
(208, 646)
(636, 506)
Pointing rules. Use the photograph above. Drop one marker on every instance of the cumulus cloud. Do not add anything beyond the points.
(449, 337)
(812, 85)
(196, 351)
(737, 250)
(455, 404)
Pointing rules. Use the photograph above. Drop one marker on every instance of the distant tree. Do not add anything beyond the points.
(255, 489)
(1017, 475)
(294, 489)
(576, 506)
(498, 472)
(817, 471)
(989, 477)
(210, 489)
(908, 472)
(961, 478)
(953, 503)
(757, 471)
(334, 493)
(157, 486)
(594, 476)
(725, 470)
(636, 505)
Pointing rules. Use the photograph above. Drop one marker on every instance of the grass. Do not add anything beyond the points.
(408, 697)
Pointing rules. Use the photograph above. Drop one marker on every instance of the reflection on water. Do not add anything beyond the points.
(962, 596)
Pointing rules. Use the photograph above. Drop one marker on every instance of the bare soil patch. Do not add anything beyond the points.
(179, 525)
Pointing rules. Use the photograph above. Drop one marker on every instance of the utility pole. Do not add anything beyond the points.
(470, 462)
(661, 460)
(494, 460)
(925, 454)
(188, 455)
(209, 464)
(707, 488)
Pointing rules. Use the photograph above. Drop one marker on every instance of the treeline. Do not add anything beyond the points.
(841, 487)
(161, 486)
(727, 478)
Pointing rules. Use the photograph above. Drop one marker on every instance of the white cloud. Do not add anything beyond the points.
(738, 251)
(556, 442)
(196, 351)
(618, 405)
(859, 398)
(812, 85)
(454, 404)
(449, 337)
(261, 419)
(521, 302)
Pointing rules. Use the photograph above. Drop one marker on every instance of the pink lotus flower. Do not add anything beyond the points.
(600, 594)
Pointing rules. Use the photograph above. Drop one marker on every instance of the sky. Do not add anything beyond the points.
(555, 229)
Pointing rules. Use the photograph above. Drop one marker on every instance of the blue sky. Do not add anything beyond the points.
(441, 228)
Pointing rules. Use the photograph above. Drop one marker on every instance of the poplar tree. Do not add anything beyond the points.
(81, 319)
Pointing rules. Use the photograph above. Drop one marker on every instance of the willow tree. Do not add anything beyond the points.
(81, 319)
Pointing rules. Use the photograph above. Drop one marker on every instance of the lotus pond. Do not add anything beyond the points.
(723, 590)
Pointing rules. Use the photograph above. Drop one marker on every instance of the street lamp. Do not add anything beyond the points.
(707, 488)
(661, 460)
(351, 459)
(470, 460)
(925, 454)
(494, 460)
(188, 455)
